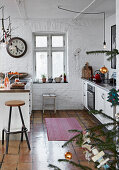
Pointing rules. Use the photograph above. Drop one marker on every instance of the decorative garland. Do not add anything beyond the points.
(107, 52)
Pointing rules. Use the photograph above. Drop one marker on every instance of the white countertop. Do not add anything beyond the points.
(104, 86)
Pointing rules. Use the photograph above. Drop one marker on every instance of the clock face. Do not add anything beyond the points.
(16, 47)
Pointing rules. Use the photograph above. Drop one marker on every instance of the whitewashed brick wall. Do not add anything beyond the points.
(86, 34)
(110, 21)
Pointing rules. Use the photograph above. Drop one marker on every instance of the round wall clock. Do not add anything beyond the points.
(16, 47)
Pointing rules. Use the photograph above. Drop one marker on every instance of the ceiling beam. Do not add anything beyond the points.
(84, 10)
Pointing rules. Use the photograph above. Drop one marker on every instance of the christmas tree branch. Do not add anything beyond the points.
(103, 114)
(97, 52)
(99, 127)
(53, 166)
(107, 52)
(75, 164)
(79, 136)
(74, 130)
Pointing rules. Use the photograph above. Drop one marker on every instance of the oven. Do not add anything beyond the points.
(90, 97)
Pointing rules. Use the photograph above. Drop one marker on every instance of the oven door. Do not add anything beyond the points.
(91, 100)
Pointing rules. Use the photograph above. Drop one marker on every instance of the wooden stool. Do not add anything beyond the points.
(15, 103)
(49, 96)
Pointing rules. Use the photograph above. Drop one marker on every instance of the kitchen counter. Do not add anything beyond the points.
(7, 94)
(8, 90)
(96, 98)
(104, 86)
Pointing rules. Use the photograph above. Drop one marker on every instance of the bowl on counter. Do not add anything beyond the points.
(17, 75)
(57, 79)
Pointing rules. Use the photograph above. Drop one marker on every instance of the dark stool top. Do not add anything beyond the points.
(14, 103)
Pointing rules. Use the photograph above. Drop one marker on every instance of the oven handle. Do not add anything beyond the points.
(102, 96)
(90, 92)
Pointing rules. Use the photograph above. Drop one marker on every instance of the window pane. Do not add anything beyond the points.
(57, 41)
(41, 64)
(41, 41)
(57, 64)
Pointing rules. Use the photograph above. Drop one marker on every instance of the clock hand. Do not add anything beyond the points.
(18, 49)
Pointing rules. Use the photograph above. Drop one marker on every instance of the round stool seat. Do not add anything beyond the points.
(14, 103)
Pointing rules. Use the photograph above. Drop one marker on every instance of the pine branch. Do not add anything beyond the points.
(113, 52)
(108, 53)
(105, 146)
(75, 130)
(112, 164)
(97, 52)
(75, 164)
(79, 136)
(99, 127)
(53, 166)
(103, 114)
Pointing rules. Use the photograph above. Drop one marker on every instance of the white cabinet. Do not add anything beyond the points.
(101, 103)
(108, 108)
(84, 94)
(29, 86)
(100, 96)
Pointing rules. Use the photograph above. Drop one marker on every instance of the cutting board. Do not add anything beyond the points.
(87, 71)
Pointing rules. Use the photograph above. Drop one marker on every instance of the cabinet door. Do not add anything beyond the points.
(84, 93)
(108, 108)
(108, 111)
(100, 95)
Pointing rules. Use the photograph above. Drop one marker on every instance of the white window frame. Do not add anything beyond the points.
(49, 49)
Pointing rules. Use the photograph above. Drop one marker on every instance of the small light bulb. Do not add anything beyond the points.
(104, 44)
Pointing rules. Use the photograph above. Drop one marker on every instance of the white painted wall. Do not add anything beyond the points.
(87, 35)
(110, 21)
(117, 39)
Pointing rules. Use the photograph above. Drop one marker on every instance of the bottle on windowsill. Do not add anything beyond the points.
(65, 78)
(6, 80)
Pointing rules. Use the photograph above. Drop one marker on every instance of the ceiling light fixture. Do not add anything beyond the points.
(87, 13)
(6, 32)
(104, 43)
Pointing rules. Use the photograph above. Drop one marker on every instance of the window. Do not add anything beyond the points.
(50, 55)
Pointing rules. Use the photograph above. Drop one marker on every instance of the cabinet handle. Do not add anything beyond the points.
(102, 96)
(84, 95)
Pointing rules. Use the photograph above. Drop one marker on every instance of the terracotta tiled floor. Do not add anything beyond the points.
(44, 152)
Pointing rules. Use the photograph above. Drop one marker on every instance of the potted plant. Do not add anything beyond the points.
(43, 78)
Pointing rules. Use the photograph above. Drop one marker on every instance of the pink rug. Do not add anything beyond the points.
(57, 128)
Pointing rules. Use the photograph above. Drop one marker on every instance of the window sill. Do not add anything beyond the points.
(49, 83)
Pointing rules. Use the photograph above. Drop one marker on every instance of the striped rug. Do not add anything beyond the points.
(57, 128)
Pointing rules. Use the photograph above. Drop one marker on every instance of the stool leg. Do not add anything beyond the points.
(7, 142)
(43, 110)
(3, 137)
(24, 127)
(54, 105)
(22, 135)
(7, 135)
